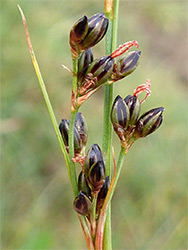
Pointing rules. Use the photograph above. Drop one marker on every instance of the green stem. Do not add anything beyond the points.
(71, 151)
(107, 135)
(112, 187)
(74, 111)
(71, 125)
(111, 41)
(99, 235)
(108, 96)
(115, 24)
(48, 103)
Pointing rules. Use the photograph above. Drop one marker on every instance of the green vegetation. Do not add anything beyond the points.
(149, 205)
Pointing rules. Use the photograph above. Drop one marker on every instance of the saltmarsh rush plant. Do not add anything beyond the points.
(93, 188)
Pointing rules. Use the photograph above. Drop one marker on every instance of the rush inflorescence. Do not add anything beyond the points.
(94, 186)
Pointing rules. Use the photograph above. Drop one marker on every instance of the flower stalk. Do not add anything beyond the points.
(111, 12)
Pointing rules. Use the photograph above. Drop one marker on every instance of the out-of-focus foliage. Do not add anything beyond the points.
(149, 206)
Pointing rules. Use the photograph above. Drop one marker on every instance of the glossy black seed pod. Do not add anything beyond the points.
(96, 176)
(101, 68)
(87, 32)
(149, 122)
(120, 113)
(97, 28)
(98, 73)
(120, 117)
(94, 168)
(125, 65)
(82, 204)
(64, 129)
(77, 34)
(79, 31)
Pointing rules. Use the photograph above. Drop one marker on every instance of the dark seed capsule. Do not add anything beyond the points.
(82, 204)
(84, 60)
(98, 72)
(101, 68)
(97, 27)
(149, 122)
(81, 126)
(120, 113)
(96, 176)
(94, 155)
(134, 108)
(82, 184)
(125, 65)
(94, 167)
(64, 129)
(78, 31)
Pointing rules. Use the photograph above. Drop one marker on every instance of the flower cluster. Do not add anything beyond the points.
(92, 74)
(93, 184)
(80, 136)
(92, 180)
(87, 32)
(126, 121)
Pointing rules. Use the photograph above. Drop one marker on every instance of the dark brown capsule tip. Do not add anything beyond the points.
(152, 112)
(79, 29)
(118, 98)
(95, 155)
(96, 16)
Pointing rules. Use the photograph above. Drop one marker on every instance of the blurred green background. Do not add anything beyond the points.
(149, 205)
